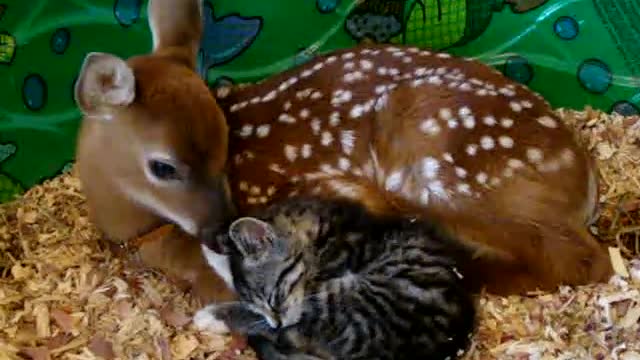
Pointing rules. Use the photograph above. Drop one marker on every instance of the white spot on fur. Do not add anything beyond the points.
(443, 55)
(334, 119)
(316, 125)
(463, 188)
(422, 71)
(382, 71)
(515, 163)
(487, 142)
(305, 151)
(469, 122)
(460, 172)
(430, 167)
(306, 73)
(394, 181)
(507, 92)
(263, 130)
(287, 105)
(505, 141)
(482, 92)
(482, 177)
(381, 102)
(271, 190)
(526, 104)
(430, 127)
(465, 86)
(316, 95)
(304, 113)
(331, 59)
(303, 94)
(270, 96)
(286, 118)
(246, 131)
(445, 113)
(380, 89)
(534, 155)
(330, 170)
(356, 111)
(348, 55)
(489, 120)
(495, 181)
(567, 156)
(291, 152)
(366, 65)
(435, 80)
(349, 65)
(472, 149)
(353, 76)
(326, 138)
(547, 121)
(276, 168)
(243, 186)
(341, 97)
(464, 111)
(347, 140)
(515, 106)
(437, 188)
(344, 164)
(447, 157)
(506, 123)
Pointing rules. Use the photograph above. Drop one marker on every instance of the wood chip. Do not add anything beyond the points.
(63, 320)
(101, 347)
(37, 353)
(618, 262)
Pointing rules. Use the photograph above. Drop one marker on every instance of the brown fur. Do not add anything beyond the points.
(530, 231)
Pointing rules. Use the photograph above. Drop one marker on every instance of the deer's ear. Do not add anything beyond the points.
(105, 81)
(251, 236)
(176, 27)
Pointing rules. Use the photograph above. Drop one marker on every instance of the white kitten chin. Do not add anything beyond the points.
(204, 320)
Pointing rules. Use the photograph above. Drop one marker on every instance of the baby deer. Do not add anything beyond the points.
(398, 129)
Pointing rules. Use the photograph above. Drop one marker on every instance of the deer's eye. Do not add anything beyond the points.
(163, 170)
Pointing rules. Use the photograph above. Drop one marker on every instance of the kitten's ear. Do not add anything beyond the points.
(251, 236)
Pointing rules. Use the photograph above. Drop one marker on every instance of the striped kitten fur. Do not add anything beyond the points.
(320, 279)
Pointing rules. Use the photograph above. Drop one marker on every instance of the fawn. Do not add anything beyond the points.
(398, 129)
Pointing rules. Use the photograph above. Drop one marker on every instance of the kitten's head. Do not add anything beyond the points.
(268, 269)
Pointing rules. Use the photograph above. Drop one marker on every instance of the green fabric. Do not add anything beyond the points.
(575, 52)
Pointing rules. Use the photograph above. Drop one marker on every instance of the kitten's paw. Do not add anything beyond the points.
(205, 320)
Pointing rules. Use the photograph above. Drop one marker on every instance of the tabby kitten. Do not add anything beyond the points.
(320, 279)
